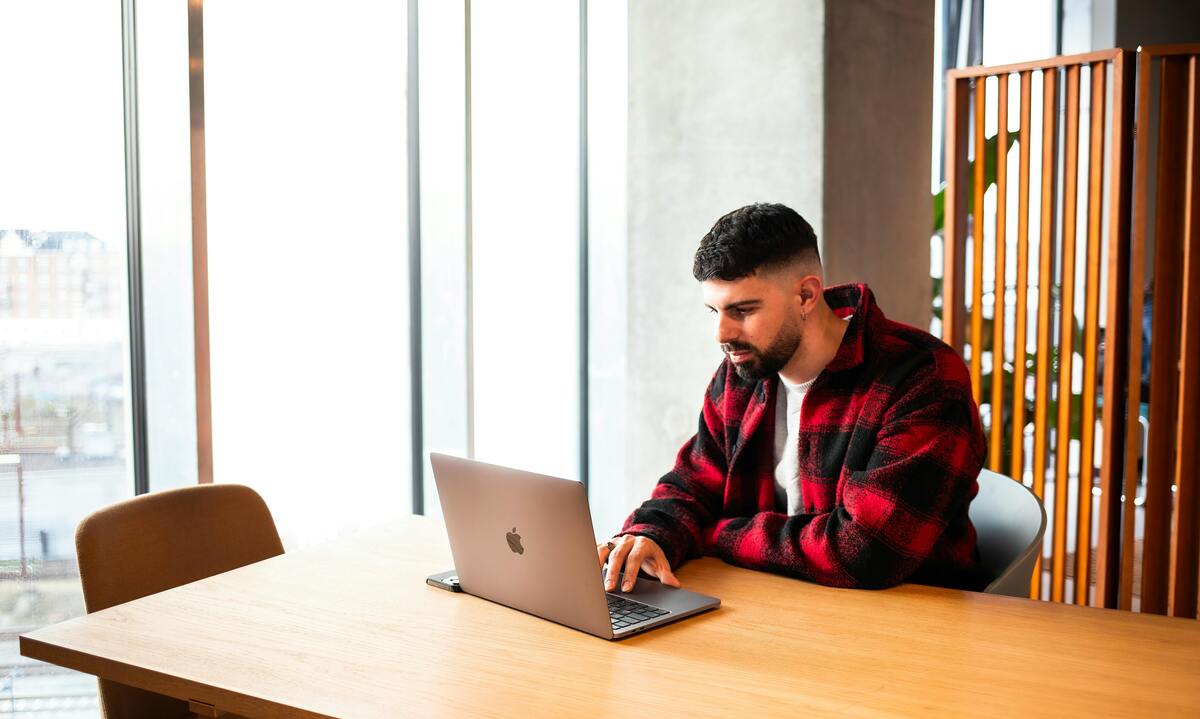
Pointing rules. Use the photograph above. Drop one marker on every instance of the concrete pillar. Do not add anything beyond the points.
(1129, 23)
(823, 105)
(878, 214)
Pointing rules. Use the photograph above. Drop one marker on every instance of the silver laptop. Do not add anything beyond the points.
(525, 540)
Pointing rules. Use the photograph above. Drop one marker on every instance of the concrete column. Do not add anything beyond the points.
(823, 105)
(878, 213)
(1129, 23)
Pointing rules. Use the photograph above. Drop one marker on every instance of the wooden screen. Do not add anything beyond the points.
(1166, 237)
(1052, 284)
(1036, 250)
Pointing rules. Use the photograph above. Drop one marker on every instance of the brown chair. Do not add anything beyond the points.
(157, 541)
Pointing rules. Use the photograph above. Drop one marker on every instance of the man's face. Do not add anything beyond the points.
(757, 323)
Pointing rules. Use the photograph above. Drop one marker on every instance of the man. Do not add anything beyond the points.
(834, 444)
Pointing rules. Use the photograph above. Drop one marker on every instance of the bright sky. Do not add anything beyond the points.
(62, 143)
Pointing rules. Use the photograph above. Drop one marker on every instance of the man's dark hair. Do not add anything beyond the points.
(754, 237)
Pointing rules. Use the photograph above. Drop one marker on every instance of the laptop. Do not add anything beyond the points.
(525, 540)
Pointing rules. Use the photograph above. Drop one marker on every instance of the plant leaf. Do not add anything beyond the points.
(989, 178)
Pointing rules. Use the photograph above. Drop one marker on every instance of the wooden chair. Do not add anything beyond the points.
(157, 541)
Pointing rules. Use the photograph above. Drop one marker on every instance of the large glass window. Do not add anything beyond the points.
(609, 494)
(525, 225)
(442, 33)
(500, 149)
(305, 114)
(164, 166)
(64, 327)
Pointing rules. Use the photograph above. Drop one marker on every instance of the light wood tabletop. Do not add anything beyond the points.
(350, 629)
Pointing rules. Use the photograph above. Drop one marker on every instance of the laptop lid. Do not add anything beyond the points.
(524, 540)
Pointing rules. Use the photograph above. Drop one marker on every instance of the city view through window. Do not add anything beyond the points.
(64, 324)
(63, 447)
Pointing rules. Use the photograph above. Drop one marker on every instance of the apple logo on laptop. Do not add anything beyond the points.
(514, 541)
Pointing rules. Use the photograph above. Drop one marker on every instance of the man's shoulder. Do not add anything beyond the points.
(904, 350)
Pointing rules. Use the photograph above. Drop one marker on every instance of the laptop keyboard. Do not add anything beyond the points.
(626, 612)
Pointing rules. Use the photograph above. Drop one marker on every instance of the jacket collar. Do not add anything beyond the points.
(859, 301)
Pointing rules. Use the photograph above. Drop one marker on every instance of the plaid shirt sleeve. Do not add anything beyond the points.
(688, 499)
(929, 450)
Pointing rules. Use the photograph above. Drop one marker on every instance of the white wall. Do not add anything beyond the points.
(725, 109)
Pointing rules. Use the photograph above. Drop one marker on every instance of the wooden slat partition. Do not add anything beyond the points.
(962, 73)
(957, 94)
(1164, 345)
(1184, 598)
(1091, 336)
(1066, 341)
(1137, 270)
(1117, 364)
(1185, 552)
(1041, 402)
(996, 458)
(978, 122)
(1020, 320)
(1055, 326)
(1090, 317)
(1169, 565)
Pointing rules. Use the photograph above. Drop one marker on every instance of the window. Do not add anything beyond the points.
(64, 384)
(525, 214)
(308, 260)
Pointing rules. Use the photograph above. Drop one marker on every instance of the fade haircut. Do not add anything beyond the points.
(762, 236)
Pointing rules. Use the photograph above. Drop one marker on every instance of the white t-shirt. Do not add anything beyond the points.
(788, 400)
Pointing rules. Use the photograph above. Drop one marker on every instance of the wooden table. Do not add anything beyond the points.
(351, 630)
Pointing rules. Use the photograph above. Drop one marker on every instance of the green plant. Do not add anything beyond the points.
(990, 145)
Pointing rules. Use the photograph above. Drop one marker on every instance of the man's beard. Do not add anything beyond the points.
(764, 363)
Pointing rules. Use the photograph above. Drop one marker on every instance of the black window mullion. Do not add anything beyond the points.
(133, 235)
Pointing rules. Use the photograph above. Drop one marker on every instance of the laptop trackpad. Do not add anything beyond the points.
(650, 591)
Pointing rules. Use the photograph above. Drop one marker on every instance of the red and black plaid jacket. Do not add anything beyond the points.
(890, 448)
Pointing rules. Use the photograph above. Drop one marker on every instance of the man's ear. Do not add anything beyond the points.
(809, 289)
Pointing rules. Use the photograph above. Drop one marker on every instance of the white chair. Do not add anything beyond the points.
(1009, 522)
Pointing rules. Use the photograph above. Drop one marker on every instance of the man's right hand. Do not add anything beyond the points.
(631, 553)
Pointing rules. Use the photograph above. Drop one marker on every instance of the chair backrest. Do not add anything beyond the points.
(1010, 523)
(157, 541)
